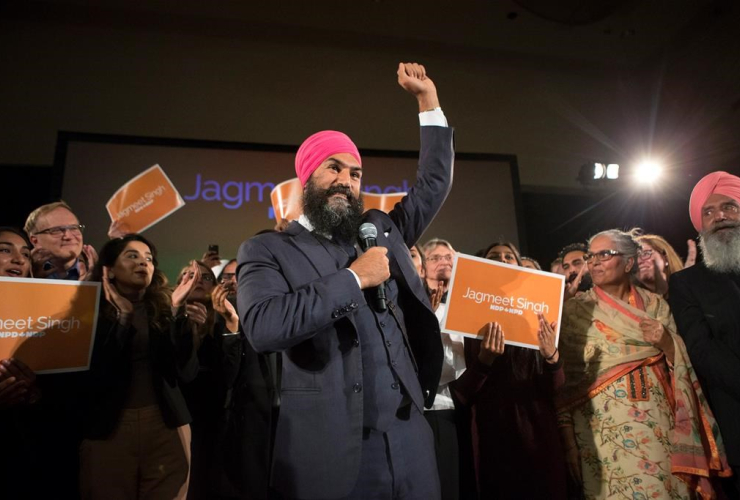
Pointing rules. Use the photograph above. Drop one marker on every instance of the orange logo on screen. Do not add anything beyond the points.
(47, 325)
(288, 195)
(485, 291)
(144, 200)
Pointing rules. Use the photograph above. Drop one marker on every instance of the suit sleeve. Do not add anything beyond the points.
(415, 212)
(711, 358)
(275, 317)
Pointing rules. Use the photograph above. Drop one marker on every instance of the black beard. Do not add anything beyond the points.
(339, 222)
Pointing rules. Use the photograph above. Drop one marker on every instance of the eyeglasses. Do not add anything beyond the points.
(601, 256)
(57, 231)
(227, 277)
(437, 258)
(205, 277)
(646, 254)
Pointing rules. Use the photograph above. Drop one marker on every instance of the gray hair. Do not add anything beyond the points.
(434, 243)
(624, 241)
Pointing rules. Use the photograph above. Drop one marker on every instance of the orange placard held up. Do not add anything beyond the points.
(483, 291)
(288, 195)
(48, 324)
(144, 200)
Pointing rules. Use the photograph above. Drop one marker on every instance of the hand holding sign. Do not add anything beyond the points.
(546, 336)
(17, 383)
(492, 345)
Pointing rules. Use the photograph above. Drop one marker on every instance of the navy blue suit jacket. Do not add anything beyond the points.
(293, 298)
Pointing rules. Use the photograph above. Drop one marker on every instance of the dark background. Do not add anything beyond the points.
(552, 83)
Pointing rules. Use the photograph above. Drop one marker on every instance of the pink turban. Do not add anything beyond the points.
(318, 148)
(714, 183)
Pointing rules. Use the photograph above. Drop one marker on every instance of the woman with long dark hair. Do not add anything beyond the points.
(511, 394)
(137, 437)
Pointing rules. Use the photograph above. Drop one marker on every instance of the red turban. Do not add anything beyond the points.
(318, 148)
(714, 183)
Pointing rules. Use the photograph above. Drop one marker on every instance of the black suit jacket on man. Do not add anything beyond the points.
(706, 307)
(292, 298)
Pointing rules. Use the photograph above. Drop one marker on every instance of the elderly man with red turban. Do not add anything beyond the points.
(357, 373)
(705, 300)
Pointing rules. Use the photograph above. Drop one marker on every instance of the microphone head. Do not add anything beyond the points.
(368, 230)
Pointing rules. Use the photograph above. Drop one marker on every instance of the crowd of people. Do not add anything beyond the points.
(313, 365)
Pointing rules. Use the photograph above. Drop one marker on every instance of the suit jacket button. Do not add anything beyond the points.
(357, 388)
(394, 386)
(356, 343)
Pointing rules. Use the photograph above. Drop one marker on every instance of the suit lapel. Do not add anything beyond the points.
(314, 251)
(323, 262)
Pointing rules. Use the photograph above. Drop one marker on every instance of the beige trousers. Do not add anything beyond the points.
(143, 459)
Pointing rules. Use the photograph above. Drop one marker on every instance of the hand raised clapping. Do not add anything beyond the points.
(184, 289)
(225, 308)
(124, 307)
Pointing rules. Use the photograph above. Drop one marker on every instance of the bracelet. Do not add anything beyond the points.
(553, 355)
(431, 109)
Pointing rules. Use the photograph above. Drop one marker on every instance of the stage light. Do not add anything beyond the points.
(612, 171)
(598, 174)
(648, 171)
(599, 171)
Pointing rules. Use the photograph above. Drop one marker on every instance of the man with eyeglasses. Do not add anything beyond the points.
(58, 249)
(705, 300)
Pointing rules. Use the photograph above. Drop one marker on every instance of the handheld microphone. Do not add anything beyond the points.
(368, 239)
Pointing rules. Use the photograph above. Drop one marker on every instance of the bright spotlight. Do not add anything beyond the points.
(648, 171)
(599, 171)
(612, 171)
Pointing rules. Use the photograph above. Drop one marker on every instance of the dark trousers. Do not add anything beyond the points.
(453, 446)
(399, 464)
(731, 485)
(446, 450)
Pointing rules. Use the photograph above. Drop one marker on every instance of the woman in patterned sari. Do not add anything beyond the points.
(633, 419)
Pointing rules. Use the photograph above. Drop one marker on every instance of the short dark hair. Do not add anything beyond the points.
(573, 247)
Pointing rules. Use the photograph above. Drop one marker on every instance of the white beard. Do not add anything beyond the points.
(721, 250)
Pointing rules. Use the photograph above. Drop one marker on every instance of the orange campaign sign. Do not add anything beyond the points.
(144, 200)
(483, 291)
(48, 324)
(287, 200)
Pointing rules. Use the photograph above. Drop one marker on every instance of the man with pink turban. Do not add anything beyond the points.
(705, 300)
(356, 374)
